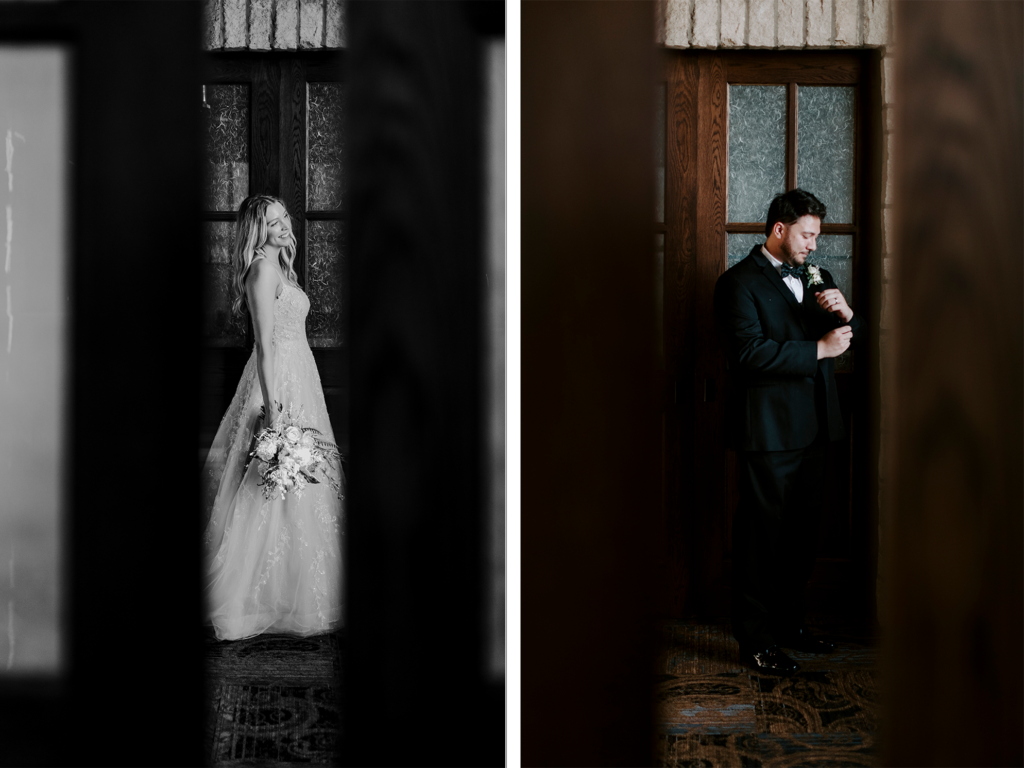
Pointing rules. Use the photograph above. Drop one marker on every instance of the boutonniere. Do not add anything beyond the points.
(814, 275)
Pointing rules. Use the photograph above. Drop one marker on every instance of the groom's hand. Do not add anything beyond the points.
(832, 300)
(835, 342)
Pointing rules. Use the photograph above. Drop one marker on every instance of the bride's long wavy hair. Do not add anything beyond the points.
(250, 237)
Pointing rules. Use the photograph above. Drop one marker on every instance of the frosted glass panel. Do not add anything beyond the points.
(324, 270)
(34, 320)
(220, 327)
(324, 182)
(835, 253)
(740, 245)
(825, 147)
(226, 138)
(659, 152)
(757, 149)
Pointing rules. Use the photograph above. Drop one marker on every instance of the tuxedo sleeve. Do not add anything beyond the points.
(857, 324)
(747, 348)
(859, 328)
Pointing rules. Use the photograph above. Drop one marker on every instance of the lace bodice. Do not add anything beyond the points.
(290, 310)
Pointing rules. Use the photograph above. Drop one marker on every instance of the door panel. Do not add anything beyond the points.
(273, 159)
(700, 474)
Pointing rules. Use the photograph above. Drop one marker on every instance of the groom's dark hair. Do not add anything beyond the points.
(787, 207)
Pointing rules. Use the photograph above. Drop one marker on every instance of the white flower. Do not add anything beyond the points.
(293, 434)
(814, 275)
(266, 450)
(302, 455)
(307, 440)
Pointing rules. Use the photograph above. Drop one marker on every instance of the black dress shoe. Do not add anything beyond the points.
(805, 642)
(771, 661)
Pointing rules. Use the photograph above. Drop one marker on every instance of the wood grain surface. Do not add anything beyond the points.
(709, 530)
(808, 68)
(590, 426)
(757, 228)
(955, 618)
(265, 140)
(415, 691)
(792, 95)
(680, 279)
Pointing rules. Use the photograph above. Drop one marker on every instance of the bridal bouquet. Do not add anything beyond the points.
(290, 457)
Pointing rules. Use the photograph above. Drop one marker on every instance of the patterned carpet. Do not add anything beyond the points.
(714, 711)
(273, 700)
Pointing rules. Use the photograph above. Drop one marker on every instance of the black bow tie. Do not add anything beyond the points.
(788, 270)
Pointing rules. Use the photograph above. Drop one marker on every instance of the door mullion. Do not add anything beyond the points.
(791, 105)
(293, 155)
(264, 143)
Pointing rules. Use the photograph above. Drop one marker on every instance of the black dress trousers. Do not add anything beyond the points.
(774, 536)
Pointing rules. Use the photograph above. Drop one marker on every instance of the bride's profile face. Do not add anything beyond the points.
(279, 226)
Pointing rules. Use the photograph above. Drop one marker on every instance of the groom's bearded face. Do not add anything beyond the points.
(799, 239)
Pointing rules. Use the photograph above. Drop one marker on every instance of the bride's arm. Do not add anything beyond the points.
(261, 291)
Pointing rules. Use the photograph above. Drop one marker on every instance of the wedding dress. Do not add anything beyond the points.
(272, 565)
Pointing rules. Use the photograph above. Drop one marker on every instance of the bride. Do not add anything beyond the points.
(271, 565)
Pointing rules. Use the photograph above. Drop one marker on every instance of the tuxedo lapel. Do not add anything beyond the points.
(772, 276)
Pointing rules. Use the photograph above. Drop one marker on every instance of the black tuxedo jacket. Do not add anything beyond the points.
(780, 392)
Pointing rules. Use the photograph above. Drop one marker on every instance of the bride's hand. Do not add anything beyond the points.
(266, 423)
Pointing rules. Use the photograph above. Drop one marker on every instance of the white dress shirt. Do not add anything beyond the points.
(794, 282)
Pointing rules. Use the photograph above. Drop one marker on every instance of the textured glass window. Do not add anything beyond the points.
(324, 141)
(659, 152)
(825, 147)
(220, 327)
(323, 282)
(740, 245)
(34, 326)
(757, 149)
(835, 254)
(226, 136)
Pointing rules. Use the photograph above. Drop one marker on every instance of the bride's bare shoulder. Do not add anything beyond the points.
(261, 274)
(262, 280)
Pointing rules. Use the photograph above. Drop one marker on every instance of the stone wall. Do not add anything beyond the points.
(775, 23)
(273, 25)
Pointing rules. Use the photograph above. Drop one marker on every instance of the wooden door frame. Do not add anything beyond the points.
(695, 219)
(277, 140)
(277, 165)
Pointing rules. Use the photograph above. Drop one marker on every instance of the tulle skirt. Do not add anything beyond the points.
(271, 565)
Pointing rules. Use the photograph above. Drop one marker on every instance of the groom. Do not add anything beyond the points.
(782, 323)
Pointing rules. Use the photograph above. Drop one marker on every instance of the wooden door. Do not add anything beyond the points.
(272, 125)
(711, 99)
